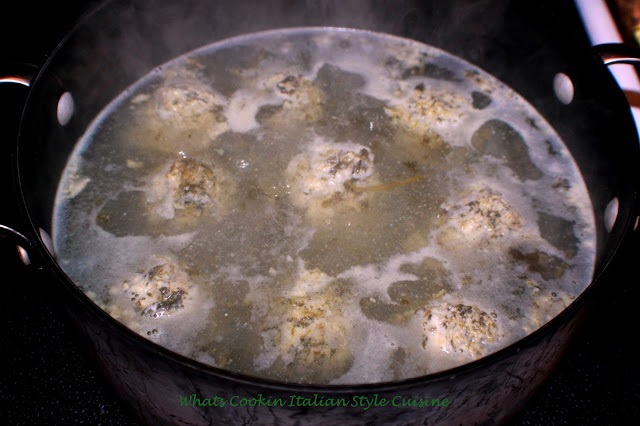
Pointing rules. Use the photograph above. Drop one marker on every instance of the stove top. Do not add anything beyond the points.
(46, 377)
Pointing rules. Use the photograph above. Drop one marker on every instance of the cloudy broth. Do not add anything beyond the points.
(325, 206)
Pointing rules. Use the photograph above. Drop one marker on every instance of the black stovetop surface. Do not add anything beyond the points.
(46, 378)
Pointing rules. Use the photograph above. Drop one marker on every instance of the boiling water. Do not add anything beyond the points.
(325, 206)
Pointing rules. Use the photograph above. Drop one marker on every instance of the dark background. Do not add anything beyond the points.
(46, 377)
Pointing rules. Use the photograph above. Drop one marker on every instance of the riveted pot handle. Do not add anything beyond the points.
(14, 83)
(620, 53)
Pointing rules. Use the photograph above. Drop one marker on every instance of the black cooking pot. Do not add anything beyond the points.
(122, 41)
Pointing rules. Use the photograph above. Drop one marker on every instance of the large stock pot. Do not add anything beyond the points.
(121, 41)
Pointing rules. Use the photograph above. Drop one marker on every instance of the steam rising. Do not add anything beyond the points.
(131, 38)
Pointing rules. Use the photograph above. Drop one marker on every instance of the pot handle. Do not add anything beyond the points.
(13, 83)
(21, 75)
(617, 53)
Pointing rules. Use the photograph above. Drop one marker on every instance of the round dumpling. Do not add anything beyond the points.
(187, 188)
(182, 115)
(423, 109)
(161, 290)
(479, 216)
(328, 177)
(307, 334)
(458, 328)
